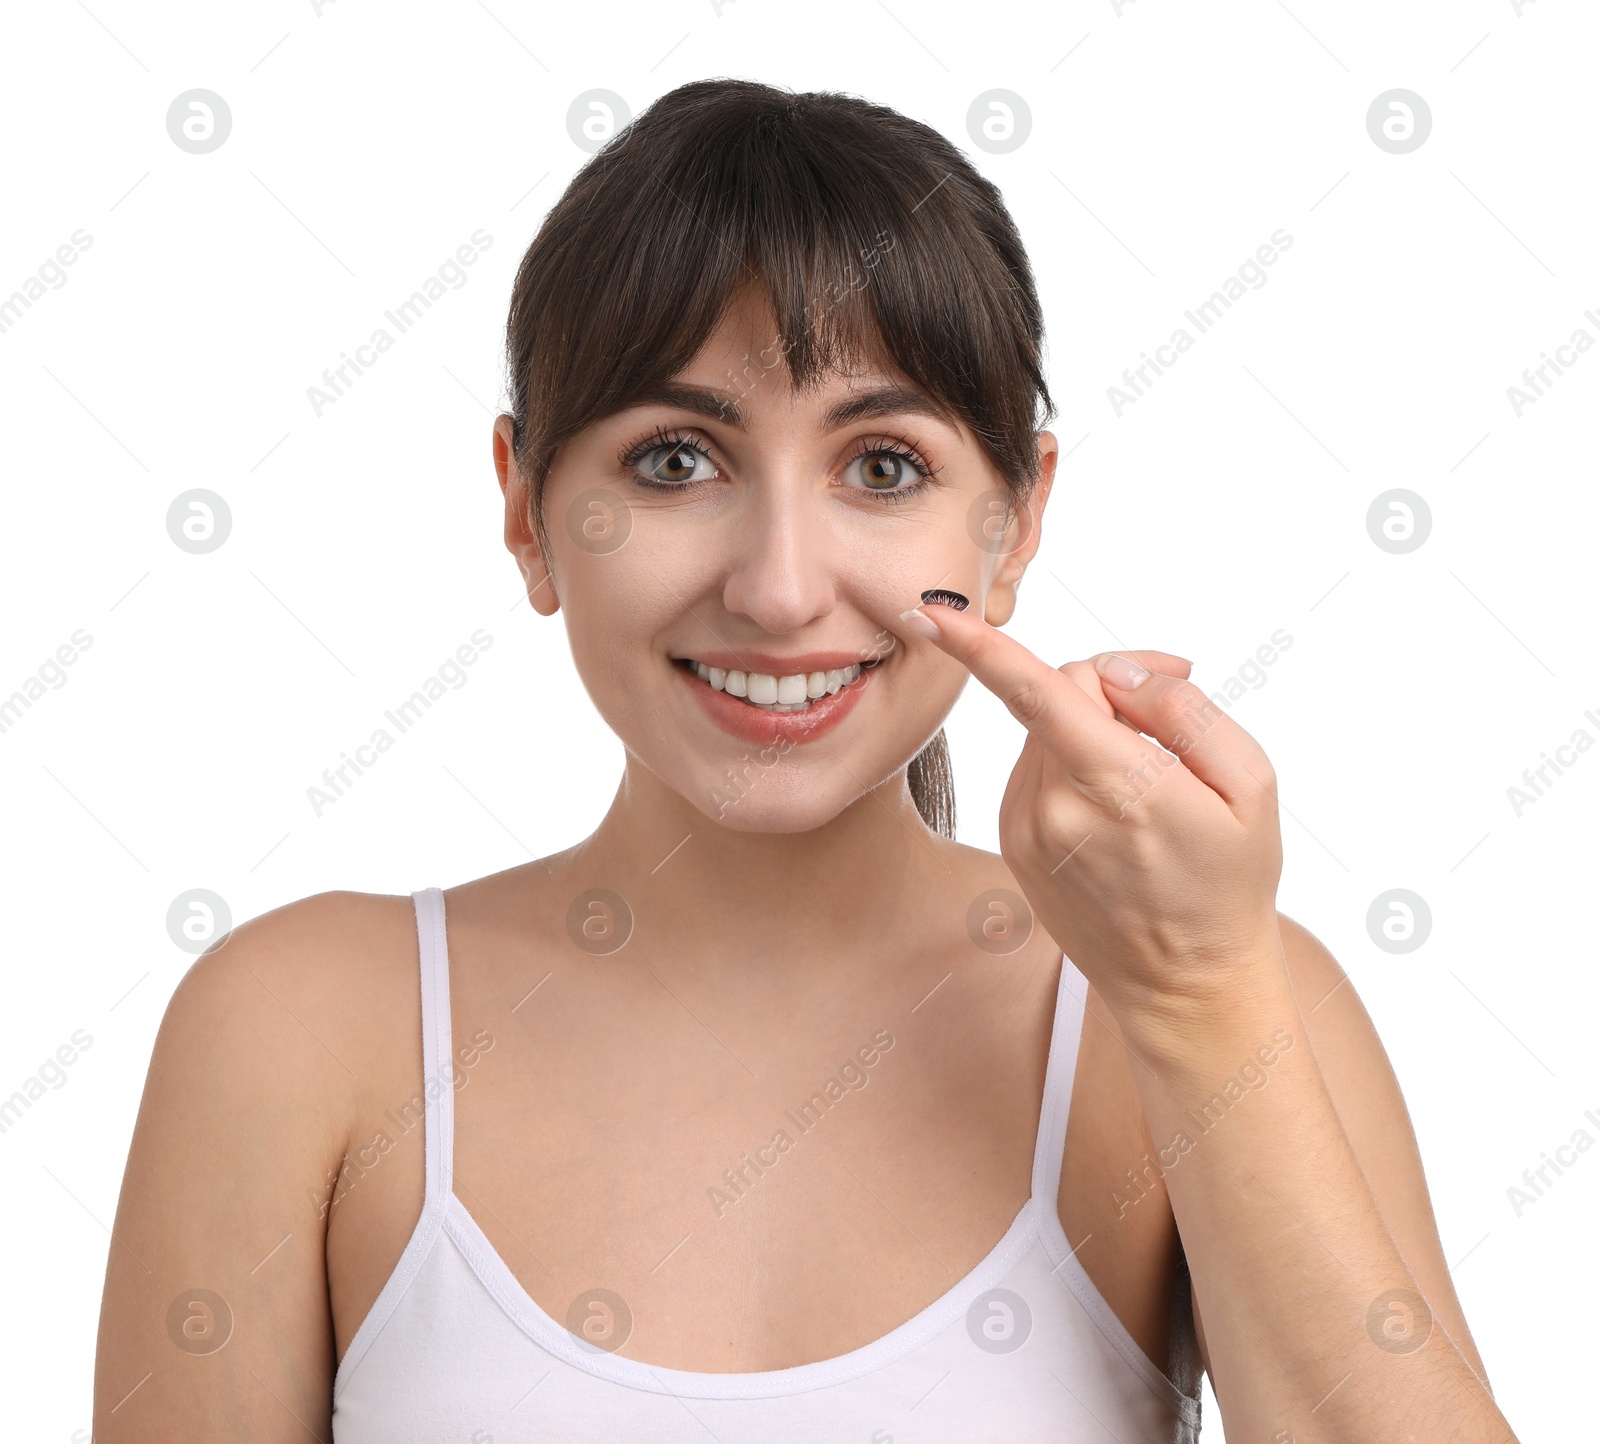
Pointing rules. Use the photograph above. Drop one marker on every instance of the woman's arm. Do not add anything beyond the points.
(1155, 865)
(1355, 1352)
(215, 1320)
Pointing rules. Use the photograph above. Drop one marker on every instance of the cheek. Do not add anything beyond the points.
(896, 578)
(884, 564)
(614, 603)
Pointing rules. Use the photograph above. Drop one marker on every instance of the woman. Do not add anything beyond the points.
(769, 1111)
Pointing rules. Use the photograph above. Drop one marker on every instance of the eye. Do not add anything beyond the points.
(671, 462)
(888, 468)
(883, 470)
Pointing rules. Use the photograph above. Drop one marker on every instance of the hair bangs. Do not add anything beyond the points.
(871, 240)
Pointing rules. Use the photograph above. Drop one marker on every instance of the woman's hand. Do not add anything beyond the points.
(1154, 867)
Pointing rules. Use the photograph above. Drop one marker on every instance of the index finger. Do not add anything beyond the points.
(1049, 704)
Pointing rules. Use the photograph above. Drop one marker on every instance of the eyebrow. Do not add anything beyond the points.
(890, 400)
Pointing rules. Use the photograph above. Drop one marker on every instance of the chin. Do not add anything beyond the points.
(774, 800)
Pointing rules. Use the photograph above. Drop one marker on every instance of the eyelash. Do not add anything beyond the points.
(630, 455)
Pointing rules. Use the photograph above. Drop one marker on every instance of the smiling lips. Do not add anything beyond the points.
(790, 692)
(798, 699)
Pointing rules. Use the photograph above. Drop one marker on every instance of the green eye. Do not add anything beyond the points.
(883, 469)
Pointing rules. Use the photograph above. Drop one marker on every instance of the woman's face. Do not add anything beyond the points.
(739, 537)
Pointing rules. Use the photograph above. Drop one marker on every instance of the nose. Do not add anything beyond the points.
(781, 560)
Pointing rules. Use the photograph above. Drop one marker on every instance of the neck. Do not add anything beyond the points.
(713, 899)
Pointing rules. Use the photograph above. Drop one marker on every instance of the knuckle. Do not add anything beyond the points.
(1059, 825)
(1189, 715)
(1028, 703)
(1195, 707)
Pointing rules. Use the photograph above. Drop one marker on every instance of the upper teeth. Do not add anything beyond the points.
(796, 690)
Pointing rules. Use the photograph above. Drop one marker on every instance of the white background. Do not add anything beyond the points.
(1166, 143)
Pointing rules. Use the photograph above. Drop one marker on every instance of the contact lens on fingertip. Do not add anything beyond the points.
(945, 598)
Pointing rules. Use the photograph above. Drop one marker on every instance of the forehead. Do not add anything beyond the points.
(742, 361)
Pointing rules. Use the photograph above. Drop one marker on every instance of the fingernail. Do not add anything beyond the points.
(945, 598)
(919, 622)
(1120, 672)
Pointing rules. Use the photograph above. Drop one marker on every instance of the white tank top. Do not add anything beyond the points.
(1022, 1349)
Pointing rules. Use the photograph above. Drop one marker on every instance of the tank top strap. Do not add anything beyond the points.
(438, 1060)
(436, 1105)
(1072, 991)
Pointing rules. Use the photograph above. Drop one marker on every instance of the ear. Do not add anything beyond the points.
(522, 540)
(1001, 599)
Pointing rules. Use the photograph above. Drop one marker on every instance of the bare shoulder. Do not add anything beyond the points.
(252, 1085)
(295, 999)
(329, 945)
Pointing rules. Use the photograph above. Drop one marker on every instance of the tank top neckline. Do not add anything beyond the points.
(443, 1211)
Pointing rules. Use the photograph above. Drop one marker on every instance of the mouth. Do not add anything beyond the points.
(780, 692)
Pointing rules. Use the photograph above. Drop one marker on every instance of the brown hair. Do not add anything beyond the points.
(872, 236)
